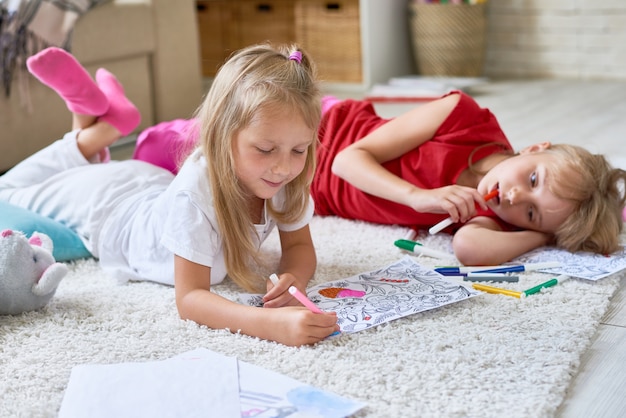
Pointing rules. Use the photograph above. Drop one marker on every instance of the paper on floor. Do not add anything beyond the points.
(198, 383)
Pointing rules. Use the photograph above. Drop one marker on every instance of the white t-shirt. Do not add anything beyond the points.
(178, 220)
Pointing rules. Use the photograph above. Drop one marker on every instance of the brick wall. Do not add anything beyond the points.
(576, 39)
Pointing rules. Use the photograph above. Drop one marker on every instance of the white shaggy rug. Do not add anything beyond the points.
(489, 356)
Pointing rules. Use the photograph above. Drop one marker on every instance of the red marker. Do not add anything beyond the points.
(447, 222)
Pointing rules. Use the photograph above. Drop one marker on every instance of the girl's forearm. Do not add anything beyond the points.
(294, 326)
(301, 262)
(359, 169)
(214, 311)
(476, 245)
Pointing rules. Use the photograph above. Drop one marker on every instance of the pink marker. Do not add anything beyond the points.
(304, 300)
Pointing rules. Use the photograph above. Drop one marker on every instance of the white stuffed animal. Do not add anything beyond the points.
(29, 274)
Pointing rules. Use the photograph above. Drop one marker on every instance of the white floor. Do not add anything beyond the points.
(591, 114)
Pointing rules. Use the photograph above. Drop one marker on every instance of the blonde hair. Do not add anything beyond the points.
(597, 190)
(256, 78)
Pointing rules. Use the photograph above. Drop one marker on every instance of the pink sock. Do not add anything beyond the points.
(60, 71)
(122, 113)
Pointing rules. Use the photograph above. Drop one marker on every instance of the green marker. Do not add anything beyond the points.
(416, 247)
(549, 283)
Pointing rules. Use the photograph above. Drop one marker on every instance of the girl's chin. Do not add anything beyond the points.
(266, 194)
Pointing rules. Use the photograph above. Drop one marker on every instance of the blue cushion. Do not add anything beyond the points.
(67, 245)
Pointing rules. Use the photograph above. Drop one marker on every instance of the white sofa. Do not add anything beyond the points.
(152, 46)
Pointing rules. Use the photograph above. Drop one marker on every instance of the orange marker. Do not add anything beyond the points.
(491, 194)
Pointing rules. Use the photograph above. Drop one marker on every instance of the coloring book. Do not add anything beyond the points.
(375, 297)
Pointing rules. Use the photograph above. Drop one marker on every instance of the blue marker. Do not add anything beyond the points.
(521, 267)
(455, 271)
(460, 270)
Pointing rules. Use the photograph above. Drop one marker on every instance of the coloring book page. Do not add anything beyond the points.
(267, 394)
(264, 393)
(176, 387)
(373, 298)
(583, 265)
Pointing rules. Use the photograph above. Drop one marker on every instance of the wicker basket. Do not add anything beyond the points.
(255, 21)
(226, 26)
(330, 32)
(213, 40)
(448, 39)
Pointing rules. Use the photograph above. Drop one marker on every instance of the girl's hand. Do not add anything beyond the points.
(459, 202)
(296, 326)
(278, 295)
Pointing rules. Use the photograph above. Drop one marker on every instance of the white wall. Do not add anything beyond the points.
(576, 39)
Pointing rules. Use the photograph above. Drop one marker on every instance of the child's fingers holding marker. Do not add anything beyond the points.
(456, 201)
(471, 201)
(321, 325)
(278, 294)
(281, 300)
(274, 279)
(299, 326)
(464, 206)
(480, 200)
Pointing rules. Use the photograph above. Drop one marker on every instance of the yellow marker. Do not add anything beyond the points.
(497, 290)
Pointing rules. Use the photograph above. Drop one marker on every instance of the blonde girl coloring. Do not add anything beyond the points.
(259, 146)
(250, 173)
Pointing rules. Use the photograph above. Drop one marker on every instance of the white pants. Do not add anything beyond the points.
(59, 183)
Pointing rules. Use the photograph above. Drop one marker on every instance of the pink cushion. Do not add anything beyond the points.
(167, 144)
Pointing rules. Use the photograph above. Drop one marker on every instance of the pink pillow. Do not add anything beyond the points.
(167, 144)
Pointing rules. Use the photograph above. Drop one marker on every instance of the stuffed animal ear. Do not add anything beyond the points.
(41, 240)
(50, 279)
(9, 239)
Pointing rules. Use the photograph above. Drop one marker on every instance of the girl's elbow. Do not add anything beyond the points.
(468, 252)
(462, 251)
(182, 311)
(338, 166)
(184, 308)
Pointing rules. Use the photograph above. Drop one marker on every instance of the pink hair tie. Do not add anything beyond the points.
(296, 56)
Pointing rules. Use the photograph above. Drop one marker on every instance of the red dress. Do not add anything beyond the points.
(436, 163)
